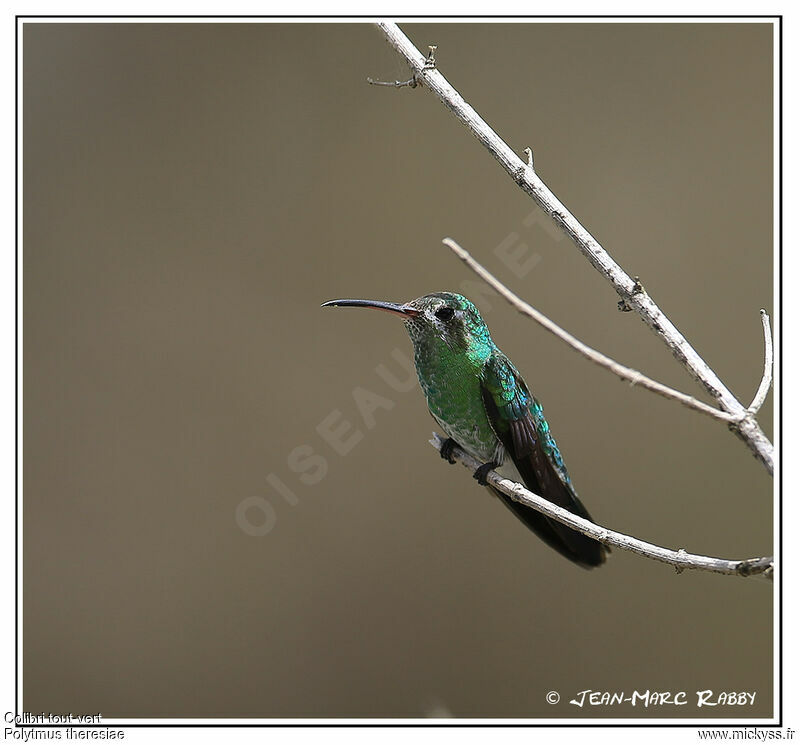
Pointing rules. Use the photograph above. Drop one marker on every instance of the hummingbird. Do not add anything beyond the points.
(478, 397)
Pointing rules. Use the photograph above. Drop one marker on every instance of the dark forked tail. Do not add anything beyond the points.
(578, 548)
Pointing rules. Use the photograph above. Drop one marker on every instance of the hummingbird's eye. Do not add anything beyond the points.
(444, 313)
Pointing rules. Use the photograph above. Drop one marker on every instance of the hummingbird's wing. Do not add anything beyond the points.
(517, 419)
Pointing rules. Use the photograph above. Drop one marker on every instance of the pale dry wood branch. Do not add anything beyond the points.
(626, 373)
(631, 292)
(679, 559)
(766, 379)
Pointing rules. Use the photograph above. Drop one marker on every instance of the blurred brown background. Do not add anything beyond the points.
(193, 192)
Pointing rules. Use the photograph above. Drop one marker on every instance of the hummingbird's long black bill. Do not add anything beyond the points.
(399, 310)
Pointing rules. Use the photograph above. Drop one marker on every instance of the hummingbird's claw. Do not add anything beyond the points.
(447, 450)
(481, 472)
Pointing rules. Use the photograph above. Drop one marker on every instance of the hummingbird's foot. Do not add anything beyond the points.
(447, 450)
(481, 472)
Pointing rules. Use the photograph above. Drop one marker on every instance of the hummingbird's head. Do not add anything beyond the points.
(450, 317)
(439, 318)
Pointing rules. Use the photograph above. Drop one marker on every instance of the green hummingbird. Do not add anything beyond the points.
(481, 401)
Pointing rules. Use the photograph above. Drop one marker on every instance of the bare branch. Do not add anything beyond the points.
(679, 559)
(632, 294)
(626, 373)
(766, 380)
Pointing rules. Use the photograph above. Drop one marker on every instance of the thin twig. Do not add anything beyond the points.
(679, 559)
(410, 83)
(631, 294)
(766, 380)
(626, 373)
(413, 81)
